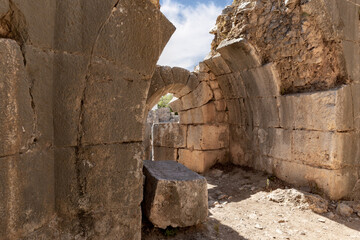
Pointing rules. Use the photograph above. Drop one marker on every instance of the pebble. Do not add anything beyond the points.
(321, 220)
(344, 210)
(259, 227)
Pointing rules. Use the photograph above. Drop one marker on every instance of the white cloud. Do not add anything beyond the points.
(191, 41)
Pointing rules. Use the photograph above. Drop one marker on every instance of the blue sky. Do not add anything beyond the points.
(193, 20)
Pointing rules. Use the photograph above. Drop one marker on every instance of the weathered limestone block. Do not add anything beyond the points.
(180, 79)
(214, 84)
(27, 193)
(68, 90)
(120, 30)
(191, 85)
(355, 93)
(331, 150)
(349, 19)
(174, 195)
(169, 135)
(201, 161)
(200, 96)
(262, 81)
(335, 183)
(40, 69)
(276, 142)
(239, 54)
(207, 137)
(265, 112)
(110, 183)
(218, 94)
(203, 114)
(217, 64)
(232, 86)
(352, 59)
(17, 116)
(203, 68)
(327, 111)
(176, 106)
(165, 154)
(240, 144)
(107, 104)
(240, 111)
(220, 105)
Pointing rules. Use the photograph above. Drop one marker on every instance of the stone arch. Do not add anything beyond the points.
(203, 117)
(307, 134)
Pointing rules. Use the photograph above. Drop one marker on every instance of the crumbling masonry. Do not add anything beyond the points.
(279, 92)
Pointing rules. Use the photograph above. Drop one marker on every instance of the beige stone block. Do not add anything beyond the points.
(165, 153)
(217, 64)
(17, 116)
(4, 7)
(239, 54)
(232, 86)
(199, 97)
(169, 135)
(262, 81)
(208, 137)
(240, 144)
(276, 142)
(327, 110)
(218, 94)
(203, 77)
(336, 184)
(349, 15)
(191, 85)
(214, 84)
(352, 58)
(201, 161)
(331, 150)
(238, 113)
(265, 112)
(176, 106)
(203, 114)
(220, 105)
(203, 68)
(157, 88)
(355, 90)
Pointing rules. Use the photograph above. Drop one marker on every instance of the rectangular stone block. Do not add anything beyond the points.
(220, 105)
(17, 117)
(203, 114)
(108, 101)
(352, 59)
(336, 184)
(262, 81)
(276, 142)
(27, 193)
(355, 90)
(201, 161)
(169, 135)
(331, 150)
(207, 137)
(69, 86)
(217, 65)
(176, 106)
(265, 112)
(240, 144)
(165, 154)
(200, 96)
(174, 195)
(349, 15)
(328, 110)
(232, 86)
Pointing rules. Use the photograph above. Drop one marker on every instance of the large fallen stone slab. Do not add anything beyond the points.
(174, 195)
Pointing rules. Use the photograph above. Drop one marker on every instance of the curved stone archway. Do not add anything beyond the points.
(201, 139)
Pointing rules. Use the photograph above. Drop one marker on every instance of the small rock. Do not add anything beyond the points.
(344, 210)
(259, 227)
(321, 220)
(223, 196)
(303, 233)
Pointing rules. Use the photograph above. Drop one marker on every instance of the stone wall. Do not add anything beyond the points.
(201, 139)
(74, 82)
(309, 138)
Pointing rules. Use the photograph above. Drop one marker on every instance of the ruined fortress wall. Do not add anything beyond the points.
(71, 72)
(297, 122)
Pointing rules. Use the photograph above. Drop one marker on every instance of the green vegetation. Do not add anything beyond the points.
(165, 100)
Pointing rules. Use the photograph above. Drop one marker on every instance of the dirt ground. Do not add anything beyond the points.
(246, 204)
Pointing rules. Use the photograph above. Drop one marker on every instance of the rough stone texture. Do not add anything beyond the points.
(200, 96)
(203, 114)
(165, 153)
(296, 36)
(201, 161)
(206, 137)
(174, 195)
(170, 135)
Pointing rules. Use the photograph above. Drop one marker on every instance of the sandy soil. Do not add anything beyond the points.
(245, 204)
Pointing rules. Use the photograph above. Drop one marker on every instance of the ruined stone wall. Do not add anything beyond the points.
(74, 82)
(264, 53)
(201, 139)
